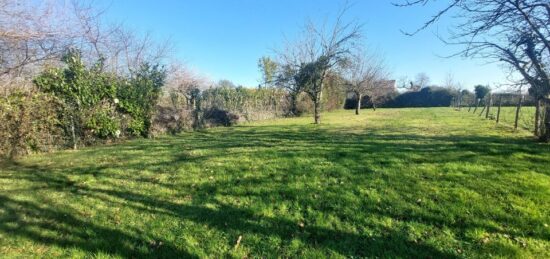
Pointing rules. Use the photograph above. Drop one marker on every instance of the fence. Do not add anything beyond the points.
(515, 110)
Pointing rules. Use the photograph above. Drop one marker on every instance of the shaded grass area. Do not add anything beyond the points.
(391, 183)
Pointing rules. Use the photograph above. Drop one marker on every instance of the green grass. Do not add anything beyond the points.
(431, 183)
(526, 119)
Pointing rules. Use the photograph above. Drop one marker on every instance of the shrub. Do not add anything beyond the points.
(215, 117)
(28, 123)
(80, 90)
(139, 96)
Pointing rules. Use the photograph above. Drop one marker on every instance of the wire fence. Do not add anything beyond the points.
(506, 112)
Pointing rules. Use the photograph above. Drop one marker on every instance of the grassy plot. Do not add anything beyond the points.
(392, 183)
(526, 119)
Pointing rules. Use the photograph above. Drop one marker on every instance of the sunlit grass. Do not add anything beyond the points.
(391, 183)
(526, 119)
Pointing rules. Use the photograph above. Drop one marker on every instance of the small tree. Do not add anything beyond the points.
(324, 50)
(481, 91)
(364, 75)
(268, 69)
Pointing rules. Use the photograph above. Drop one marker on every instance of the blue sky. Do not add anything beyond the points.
(223, 39)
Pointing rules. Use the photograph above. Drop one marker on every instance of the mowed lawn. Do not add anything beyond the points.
(431, 183)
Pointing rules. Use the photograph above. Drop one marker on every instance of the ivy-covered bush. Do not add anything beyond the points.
(139, 96)
(28, 123)
(81, 91)
(97, 105)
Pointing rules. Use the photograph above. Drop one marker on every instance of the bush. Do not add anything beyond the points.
(215, 117)
(427, 97)
(171, 120)
(28, 123)
(139, 96)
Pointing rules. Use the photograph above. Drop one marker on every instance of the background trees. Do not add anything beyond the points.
(481, 91)
(364, 74)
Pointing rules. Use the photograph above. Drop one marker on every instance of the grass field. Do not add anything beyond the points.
(431, 183)
(526, 119)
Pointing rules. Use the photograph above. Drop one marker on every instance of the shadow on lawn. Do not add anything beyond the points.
(53, 224)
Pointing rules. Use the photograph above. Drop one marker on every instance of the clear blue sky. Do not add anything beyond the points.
(223, 39)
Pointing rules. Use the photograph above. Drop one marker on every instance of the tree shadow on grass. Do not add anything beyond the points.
(49, 225)
(35, 221)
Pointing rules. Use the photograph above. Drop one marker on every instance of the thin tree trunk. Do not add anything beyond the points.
(317, 108)
(358, 106)
(293, 100)
(489, 107)
(538, 132)
(73, 134)
(518, 108)
(546, 135)
(499, 106)
(374, 106)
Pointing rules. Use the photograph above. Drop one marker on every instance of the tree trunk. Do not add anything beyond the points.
(499, 106)
(358, 106)
(317, 108)
(518, 108)
(546, 135)
(293, 101)
(73, 134)
(374, 106)
(538, 106)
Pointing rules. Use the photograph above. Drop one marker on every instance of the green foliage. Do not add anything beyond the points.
(77, 86)
(103, 124)
(481, 91)
(139, 95)
(395, 183)
(28, 123)
(268, 68)
(81, 90)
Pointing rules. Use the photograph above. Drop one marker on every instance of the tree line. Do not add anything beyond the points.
(69, 79)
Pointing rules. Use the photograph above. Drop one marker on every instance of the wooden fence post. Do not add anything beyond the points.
(489, 106)
(499, 105)
(478, 100)
(518, 108)
(482, 110)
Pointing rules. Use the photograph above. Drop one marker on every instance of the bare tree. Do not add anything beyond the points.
(34, 34)
(421, 80)
(364, 75)
(514, 32)
(184, 86)
(31, 33)
(325, 48)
